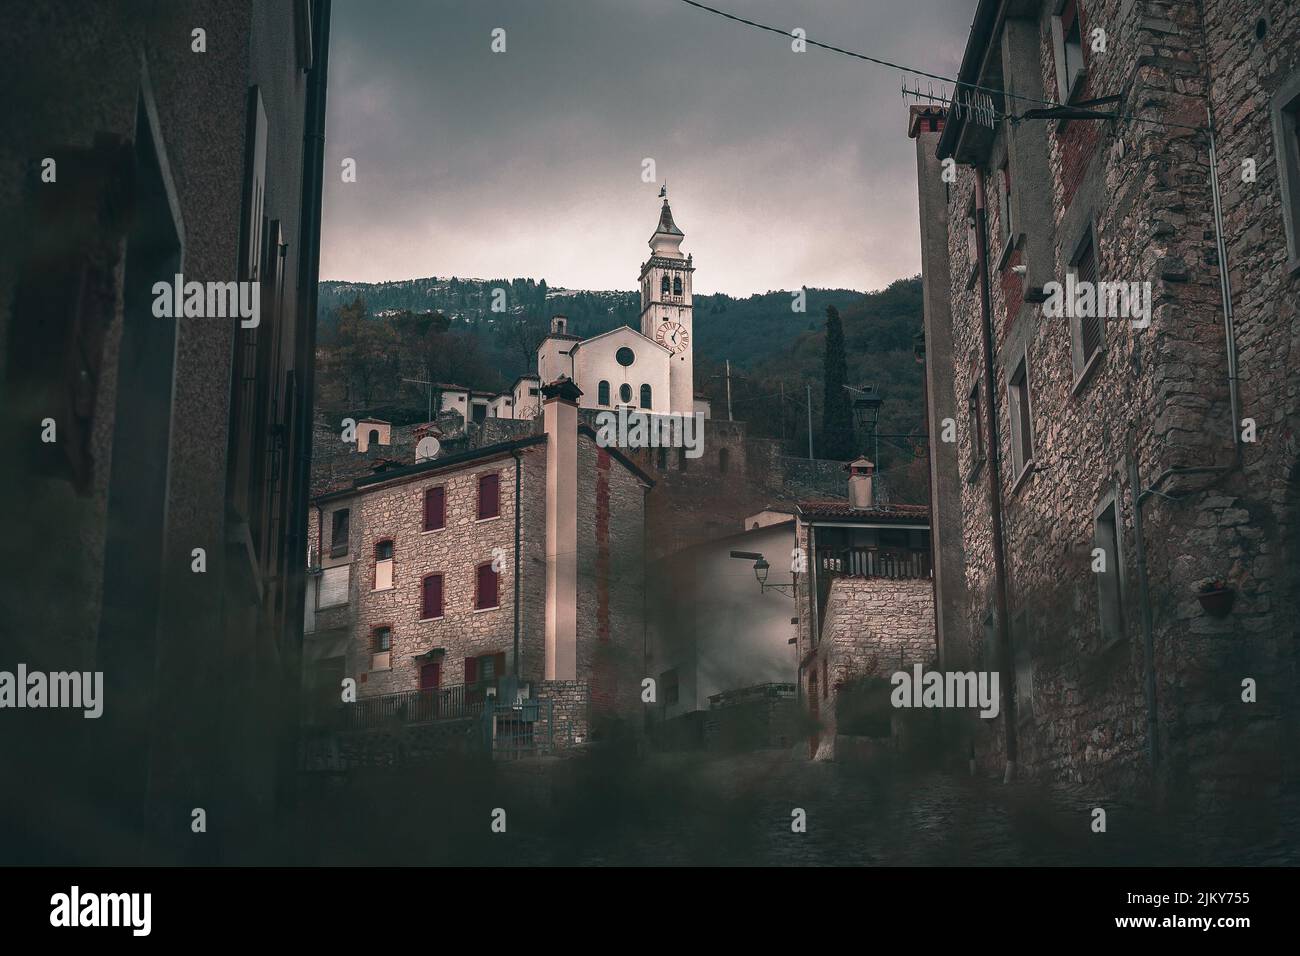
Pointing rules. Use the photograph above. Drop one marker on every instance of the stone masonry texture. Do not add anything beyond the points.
(1156, 396)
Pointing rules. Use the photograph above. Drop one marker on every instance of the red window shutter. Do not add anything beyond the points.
(485, 587)
(471, 670)
(435, 508)
(431, 604)
(489, 496)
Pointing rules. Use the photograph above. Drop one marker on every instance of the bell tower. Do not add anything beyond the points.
(667, 313)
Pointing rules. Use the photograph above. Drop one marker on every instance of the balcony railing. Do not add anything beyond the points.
(414, 707)
(875, 562)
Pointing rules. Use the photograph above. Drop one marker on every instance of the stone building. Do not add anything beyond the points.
(144, 142)
(865, 604)
(1107, 467)
(519, 560)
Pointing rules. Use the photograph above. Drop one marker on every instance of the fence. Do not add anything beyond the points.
(523, 729)
(415, 707)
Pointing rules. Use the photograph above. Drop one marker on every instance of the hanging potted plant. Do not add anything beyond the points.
(1216, 597)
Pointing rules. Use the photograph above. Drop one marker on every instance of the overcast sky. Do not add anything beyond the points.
(784, 169)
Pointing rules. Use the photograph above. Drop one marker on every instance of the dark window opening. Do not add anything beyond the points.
(339, 529)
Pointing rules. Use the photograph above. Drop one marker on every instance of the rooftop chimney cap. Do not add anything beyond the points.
(562, 388)
(862, 465)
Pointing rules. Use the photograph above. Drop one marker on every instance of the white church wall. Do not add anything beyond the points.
(597, 361)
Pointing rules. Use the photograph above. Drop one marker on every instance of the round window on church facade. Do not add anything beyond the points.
(624, 356)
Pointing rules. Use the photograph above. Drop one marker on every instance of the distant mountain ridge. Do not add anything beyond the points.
(768, 319)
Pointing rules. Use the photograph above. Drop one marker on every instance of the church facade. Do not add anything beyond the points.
(649, 369)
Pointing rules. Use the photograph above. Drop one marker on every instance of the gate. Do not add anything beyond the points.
(522, 729)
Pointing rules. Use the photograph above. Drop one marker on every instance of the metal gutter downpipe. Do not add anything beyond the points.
(1005, 655)
(1225, 290)
(518, 497)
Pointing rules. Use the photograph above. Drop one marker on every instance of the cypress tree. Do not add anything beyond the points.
(837, 413)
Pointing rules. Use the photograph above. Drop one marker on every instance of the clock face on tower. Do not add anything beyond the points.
(673, 336)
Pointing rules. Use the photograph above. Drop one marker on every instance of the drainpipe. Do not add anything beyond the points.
(1225, 291)
(518, 497)
(1005, 656)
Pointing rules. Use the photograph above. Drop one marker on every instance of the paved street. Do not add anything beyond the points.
(737, 810)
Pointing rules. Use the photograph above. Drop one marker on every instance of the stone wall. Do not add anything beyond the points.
(872, 627)
(1158, 394)
(396, 512)
(571, 716)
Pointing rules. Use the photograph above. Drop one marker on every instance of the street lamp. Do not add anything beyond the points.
(866, 412)
(761, 569)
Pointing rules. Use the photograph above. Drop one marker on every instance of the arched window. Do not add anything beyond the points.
(645, 396)
(723, 455)
(677, 285)
(372, 437)
(663, 285)
(602, 393)
(625, 393)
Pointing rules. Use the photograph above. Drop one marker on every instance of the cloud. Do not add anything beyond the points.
(784, 169)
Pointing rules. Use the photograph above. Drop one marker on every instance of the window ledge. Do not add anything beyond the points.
(427, 620)
(484, 520)
(973, 475)
(433, 530)
(391, 587)
(1085, 373)
(494, 607)
(1025, 472)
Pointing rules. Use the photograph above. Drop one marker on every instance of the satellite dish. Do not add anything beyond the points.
(427, 448)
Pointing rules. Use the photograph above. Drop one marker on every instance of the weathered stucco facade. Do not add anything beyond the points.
(1124, 438)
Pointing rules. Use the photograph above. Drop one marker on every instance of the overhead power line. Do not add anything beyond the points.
(931, 76)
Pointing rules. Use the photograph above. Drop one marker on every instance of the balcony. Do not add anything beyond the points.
(867, 562)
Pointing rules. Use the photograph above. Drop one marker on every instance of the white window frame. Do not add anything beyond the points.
(1285, 107)
(1021, 457)
(1069, 76)
(1110, 605)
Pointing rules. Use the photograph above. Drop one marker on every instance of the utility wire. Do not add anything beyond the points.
(929, 76)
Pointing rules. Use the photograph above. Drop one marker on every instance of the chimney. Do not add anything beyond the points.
(559, 325)
(560, 422)
(860, 481)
